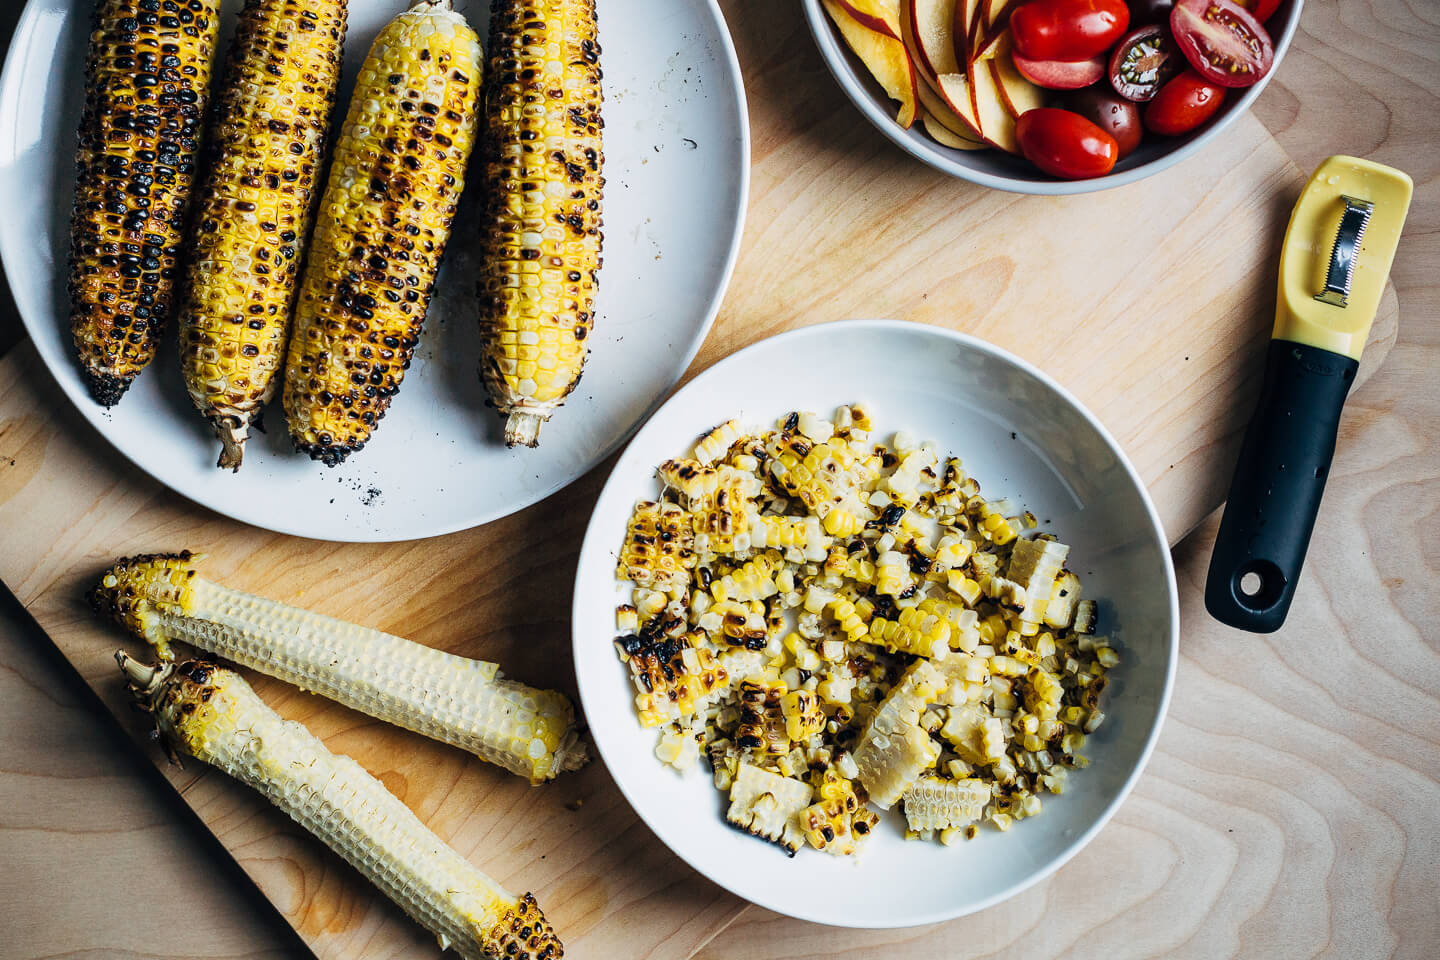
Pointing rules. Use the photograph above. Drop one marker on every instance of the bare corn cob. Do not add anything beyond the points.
(215, 716)
(543, 158)
(933, 803)
(766, 804)
(267, 141)
(147, 80)
(384, 219)
(465, 703)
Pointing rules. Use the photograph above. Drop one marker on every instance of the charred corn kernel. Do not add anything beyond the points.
(848, 616)
(966, 589)
(861, 570)
(1084, 617)
(822, 475)
(952, 552)
(213, 715)
(465, 703)
(1064, 596)
(753, 580)
(395, 179)
(925, 636)
(674, 677)
(1107, 657)
(892, 573)
(720, 500)
(658, 551)
(677, 749)
(790, 533)
(1006, 593)
(147, 80)
(1035, 565)
(715, 444)
(762, 728)
(542, 167)
(839, 819)
(801, 710)
(766, 804)
(267, 141)
(627, 619)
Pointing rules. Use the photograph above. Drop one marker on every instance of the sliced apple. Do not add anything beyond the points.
(955, 89)
(967, 14)
(936, 106)
(997, 123)
(989, 47)
(933, 22)
(997, 12)
(946, 137)
(882, 16)
(884, 56)
(1017, 93)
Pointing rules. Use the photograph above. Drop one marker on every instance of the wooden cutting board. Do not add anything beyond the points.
(1151, 302)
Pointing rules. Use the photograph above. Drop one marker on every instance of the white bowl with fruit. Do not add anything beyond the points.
(1052, 96)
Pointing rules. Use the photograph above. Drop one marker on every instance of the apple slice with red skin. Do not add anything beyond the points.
(933, 25)
(997, 123)
(997, 14)
(993, 46)
(1017, 93)
(882, 16)
(938, 106)
(955, 89)
(946, 137)
(884, 56)
(967, 14)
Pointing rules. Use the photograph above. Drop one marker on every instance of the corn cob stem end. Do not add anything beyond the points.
(232, 433)
(522, 428)
(106, 388)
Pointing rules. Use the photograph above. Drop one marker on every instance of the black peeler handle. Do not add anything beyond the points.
(1278, 483)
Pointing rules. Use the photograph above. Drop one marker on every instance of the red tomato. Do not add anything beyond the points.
(1068, 29)
(1143, 61)
(1065, 144)
(1222, 41)
(1183, 104)
(1262, 9)
(1060, 74)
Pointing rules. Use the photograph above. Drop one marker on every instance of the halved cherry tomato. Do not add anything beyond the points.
(1262, 9)
(1060, 74)
(1183, 104)
(1065, 144)
(1115, 115)
(1068, 29)
(1143, 61)
(1222, 41)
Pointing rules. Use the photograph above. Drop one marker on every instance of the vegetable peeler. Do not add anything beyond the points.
(1337, 253)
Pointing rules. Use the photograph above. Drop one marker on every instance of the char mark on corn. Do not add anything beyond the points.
(147, 80)
(543, 159)
(384, 219)
(253, 211)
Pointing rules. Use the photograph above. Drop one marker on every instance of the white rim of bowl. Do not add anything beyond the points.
(592, 550)
(9, 77)
(836, 60)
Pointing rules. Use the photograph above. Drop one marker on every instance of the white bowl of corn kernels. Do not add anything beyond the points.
(920, 661)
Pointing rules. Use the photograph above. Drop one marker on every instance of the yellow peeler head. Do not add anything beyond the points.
(1338, 248)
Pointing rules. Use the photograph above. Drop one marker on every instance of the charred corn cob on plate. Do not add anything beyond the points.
(1021, 437)
(676, 168)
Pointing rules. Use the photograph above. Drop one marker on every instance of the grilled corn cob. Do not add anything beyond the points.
(932, 803)
(395, 179)
(215, 716)
(543, 183)
(271, 121)
(147, 79)
(465, 703)
(658, 550)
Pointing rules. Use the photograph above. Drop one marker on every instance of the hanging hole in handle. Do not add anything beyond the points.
(1258, 585)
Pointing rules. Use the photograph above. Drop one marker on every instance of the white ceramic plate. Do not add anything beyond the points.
(1020, 435)
(677, 170)
(995, 168)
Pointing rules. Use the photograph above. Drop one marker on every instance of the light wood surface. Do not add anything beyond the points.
(1289, 811)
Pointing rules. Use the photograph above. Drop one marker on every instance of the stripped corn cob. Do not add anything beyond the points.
(658, 550)
(933, 803)
(215, 716)
(1034, 565)
(465, 703)
(893, 749)
(271, 121)
(384, 219)
(542, 169)
(147, 80)
(765, 804)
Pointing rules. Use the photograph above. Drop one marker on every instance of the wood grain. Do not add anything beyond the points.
(1317, 747)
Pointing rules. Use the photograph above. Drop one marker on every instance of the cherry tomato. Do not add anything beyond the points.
(1060, 74)
(1183, 104)
(1068, 29)
(1143, 61)
(1222, 41)
(1115, 115)
(1150, 11)
(1065, 144)
(1262, 9)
